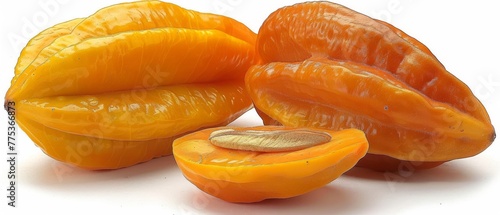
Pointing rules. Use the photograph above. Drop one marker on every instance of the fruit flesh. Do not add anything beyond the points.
(249, 176)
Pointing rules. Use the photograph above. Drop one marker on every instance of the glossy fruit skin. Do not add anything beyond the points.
(327, 33)
(42, 40)
(119, 86)
(248, 176)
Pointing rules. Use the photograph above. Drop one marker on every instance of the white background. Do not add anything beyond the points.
(464, 35)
